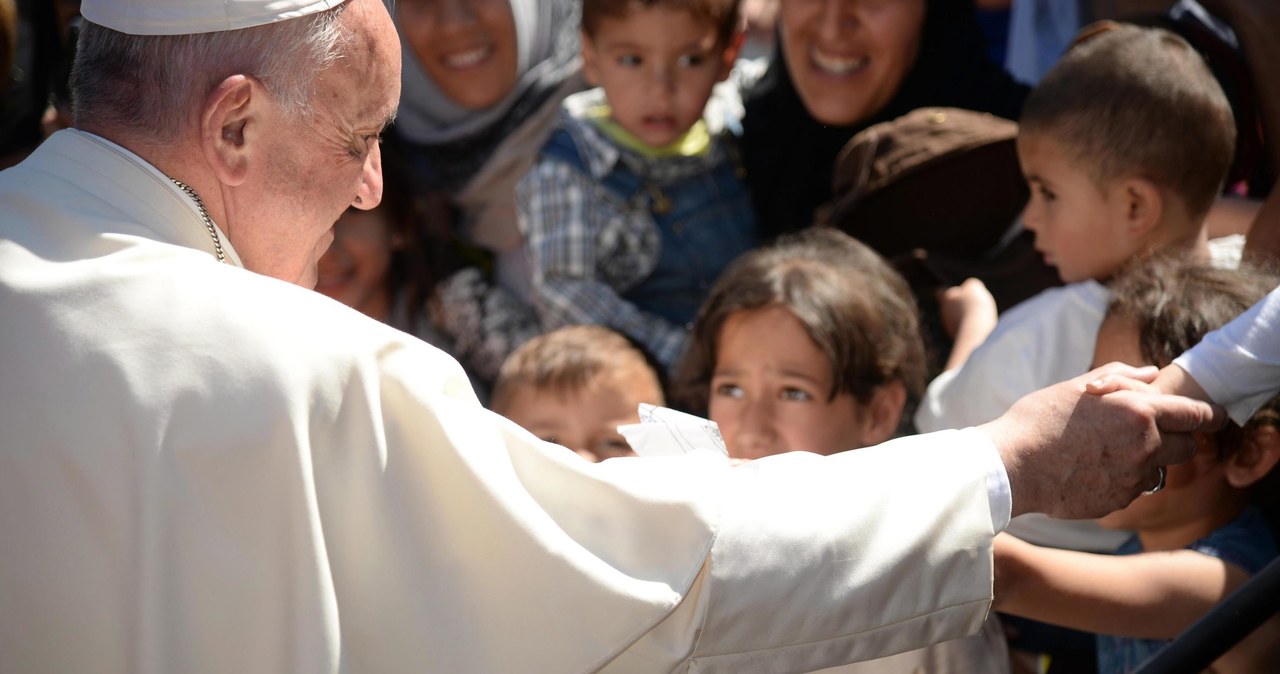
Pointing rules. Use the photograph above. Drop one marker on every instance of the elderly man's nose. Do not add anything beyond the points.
(369, 195)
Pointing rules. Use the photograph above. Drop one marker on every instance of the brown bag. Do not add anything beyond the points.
(938, 191)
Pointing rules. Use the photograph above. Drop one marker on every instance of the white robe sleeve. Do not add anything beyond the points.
(1238, 365)
(204, 469)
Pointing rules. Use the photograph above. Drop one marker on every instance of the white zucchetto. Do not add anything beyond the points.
(188, 17)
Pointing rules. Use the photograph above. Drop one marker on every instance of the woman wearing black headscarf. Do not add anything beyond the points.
(844, 65)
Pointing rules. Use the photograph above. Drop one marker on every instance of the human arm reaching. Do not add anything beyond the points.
(1151, 595)
(968, 315)
(1237, 366)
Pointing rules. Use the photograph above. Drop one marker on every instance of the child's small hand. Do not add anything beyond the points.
(969, 314)
(965, 305)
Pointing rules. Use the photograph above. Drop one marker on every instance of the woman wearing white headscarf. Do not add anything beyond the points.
(482, 85)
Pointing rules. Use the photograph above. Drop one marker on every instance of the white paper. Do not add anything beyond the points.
(666, 432)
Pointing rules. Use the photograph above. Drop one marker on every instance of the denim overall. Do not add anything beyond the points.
(704, 221)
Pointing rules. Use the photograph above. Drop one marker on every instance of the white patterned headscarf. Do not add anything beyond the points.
(547, 54)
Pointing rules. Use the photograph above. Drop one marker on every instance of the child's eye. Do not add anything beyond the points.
(611, 447)
(629, 60)
(1047, 193)
(691, 60)
(794, 395)
(729, 391)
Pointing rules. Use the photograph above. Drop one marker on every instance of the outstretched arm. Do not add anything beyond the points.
(1152, 595)
(1237, 365)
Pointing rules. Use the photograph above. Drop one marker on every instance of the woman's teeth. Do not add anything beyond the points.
(467, 59)
(837, 65)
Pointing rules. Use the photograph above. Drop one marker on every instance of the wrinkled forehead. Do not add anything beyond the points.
(371, 58)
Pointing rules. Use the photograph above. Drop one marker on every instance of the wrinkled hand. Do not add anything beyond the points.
(1072, 454)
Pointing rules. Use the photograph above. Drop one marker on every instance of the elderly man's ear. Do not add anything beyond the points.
(231, 119)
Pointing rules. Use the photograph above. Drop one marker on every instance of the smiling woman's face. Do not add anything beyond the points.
(467, 47)
(849, 57)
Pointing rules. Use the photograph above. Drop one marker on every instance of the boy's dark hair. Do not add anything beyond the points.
(1128, 101)
(569, 359)
(1174, 302)
(854, 306)
(723, 14)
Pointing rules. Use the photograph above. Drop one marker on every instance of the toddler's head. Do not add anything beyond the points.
(1160, 308)
(1125, 144)
(811, 344)
(575, 386)
(657, 60)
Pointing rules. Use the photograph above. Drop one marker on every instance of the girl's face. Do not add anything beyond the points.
(848, 58)
(467, 47)
(354, 269)
(770, 386)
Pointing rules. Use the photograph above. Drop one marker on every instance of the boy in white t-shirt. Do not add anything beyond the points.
(1125, 145)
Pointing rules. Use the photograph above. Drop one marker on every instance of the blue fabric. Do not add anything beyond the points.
(704, 221)
(1245, 542)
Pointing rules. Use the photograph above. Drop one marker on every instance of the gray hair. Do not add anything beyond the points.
(151, 84)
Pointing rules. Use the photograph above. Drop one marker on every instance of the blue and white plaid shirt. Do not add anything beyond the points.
(587, 246)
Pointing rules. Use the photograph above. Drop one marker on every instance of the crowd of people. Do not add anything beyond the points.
(597, 204)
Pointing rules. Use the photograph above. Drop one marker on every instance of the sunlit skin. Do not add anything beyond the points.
(1080, 227)
(276, 185)
(1197, 497)
(354, 270)
(848, 58)
(585, 420)
(770, 391)
(657, 66)
(467, 47)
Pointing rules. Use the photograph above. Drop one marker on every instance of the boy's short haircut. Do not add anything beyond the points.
(571, 359)
(1138, 102)
(854, 306)
(1174, 301)
(723, 14)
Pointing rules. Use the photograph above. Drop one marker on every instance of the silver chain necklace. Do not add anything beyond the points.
(204, 215)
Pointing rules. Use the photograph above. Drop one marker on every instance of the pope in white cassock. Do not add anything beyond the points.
(205, 466)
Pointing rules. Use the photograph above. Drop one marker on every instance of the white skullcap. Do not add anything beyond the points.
(187, 17)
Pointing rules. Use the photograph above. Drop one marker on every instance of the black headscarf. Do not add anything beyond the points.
(789, 155)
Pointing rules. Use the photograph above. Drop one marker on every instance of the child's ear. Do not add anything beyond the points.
(590, 60)
(883, 413)
(730, 54)
(1141, 204)
(1255, 459)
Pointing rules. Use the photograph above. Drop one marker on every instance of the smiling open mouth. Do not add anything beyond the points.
(467, 59)
(836, 65)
